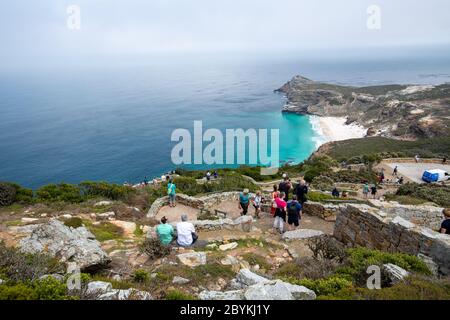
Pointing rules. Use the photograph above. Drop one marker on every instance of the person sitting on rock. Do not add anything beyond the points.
(294, 213)
(445, 226)
(244, 200)
(335, 192)
(165, 232)
(186, 235)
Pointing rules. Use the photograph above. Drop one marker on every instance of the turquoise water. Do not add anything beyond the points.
(115, 123)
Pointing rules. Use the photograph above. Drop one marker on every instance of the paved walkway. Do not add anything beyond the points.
(414, 171)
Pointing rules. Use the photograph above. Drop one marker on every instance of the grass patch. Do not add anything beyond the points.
(175, 294)
(407, 200)
(256, 259)
(14, 223)
(74, 222)
(104, 230)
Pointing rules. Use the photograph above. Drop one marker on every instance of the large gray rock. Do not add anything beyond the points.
(301, 234)
(395, 273)
(67, 244)
(278, 290)
(130, 294)
(97, 288)
(218, 295)
(180, 280)
(193, 259)
(248, 278)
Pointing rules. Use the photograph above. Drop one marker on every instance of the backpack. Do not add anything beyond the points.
(292, 209)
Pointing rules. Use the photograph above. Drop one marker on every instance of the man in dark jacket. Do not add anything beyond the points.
(301, 191)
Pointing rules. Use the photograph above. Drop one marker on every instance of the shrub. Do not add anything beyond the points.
(7, 194)
(154, 249)
(323, 183)
(17, 291)
(179, 295)
(19, 266)
(439, 194)
(326, 287)
(107, 190)
(74, 222)
(140, 275)
(45, 289)
(59, 192)
(327, 247)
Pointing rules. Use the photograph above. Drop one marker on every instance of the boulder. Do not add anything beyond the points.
(180, 280)
(248, 278)
(67, 244)
(97, 288)
(29, 220)
(103, 203)
(278, 290)
(228, 246)
(229, 261)
(434, 268)
(130, 294)
(218, 295)
(301, 234)
(395, 273)
(192, 259)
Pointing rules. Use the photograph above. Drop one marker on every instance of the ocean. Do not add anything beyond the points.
(114, 123)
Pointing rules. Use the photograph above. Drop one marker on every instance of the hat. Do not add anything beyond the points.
(246, 190)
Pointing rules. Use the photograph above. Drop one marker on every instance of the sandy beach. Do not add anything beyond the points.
(334, 129)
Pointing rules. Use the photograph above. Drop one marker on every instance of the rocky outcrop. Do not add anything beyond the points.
(251, 286)
(192, 259)
(67, 244)
(395, 273)
(361, 225)
(396, 111)
(301, 234)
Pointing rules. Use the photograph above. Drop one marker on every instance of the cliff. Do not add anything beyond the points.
(404, 112)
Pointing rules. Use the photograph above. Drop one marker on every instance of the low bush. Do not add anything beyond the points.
(7, 194)
(327, 247)
(439, 194)
(307, 267)
(325, 287)
(175, 294)
(105, 230)
(140, 275)
(18, 266)
(74, 222)
(154, 249)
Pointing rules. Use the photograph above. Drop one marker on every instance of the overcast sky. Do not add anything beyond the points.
(38, 28)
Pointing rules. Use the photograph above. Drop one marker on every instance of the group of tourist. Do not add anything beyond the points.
(282, 209)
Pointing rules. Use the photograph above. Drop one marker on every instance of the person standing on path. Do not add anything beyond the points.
(280, 213)
(171, 192)
(373, 191)
(395, 171)
(366, 190)
(301, 191)
(285, 186)
(274, 195)
(244, 200)
(257, 199)
(294, 213)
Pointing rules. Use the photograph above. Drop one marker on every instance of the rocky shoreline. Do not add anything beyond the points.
(405, 112)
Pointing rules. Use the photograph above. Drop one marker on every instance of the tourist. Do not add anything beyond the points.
(244, 200)
(285, 186)
(294, 213)
(335, 192)
(186, 235)
(301, 191)
(208, 176)
(165, 232)
(417, 158)
(274, 195)
(171, 192)
(365, 190)
(444, 160)
(256, 201)
(373, 190)
(445, 226)
(280, 213)
(401, 180)
(395, 171)
(215, 175)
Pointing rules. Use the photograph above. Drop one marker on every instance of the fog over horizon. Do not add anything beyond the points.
(36, 33)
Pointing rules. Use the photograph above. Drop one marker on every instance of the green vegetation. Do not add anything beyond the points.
(407, 200)
(256, 259)
(45, 289)
(439, 194)
(373, 149)
(140, 275)
(74, 222)
(175, 294)
(12, 192)
(104, 231)
(154, 249)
